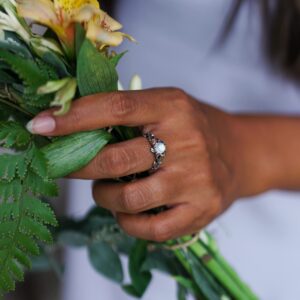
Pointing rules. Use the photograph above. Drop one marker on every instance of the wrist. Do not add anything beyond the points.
(253, 163)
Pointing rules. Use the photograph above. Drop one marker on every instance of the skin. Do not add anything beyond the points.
(213, 158)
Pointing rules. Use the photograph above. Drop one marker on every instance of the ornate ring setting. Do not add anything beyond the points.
(158, 148)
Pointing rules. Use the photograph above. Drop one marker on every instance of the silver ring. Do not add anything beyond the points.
(158, 148)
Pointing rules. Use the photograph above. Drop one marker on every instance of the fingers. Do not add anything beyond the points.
(134, 197)
(167, 225)
(102, 110)
(119, 160)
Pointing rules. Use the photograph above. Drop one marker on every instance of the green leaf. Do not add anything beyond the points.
(116, 59)
(160, 260)
(106, 261)
(39, 186)
(79, 38)
(12, 43)
(130, 290)
(58, 63)
(13, 134)
(22, 227)
(8, 166)
(140, 279)
(39, 210)
(46, 70)
(95, 73)
(34, 228)
(71, 153)
(26, 69)
(6, 78)
(39, 164)
(10, 190)
(182, 292)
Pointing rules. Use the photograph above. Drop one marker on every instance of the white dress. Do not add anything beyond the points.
(259, 236)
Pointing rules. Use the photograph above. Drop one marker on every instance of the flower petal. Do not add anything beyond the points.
(70, 5)
(108, 22)
(99, 34)
(84, 13)
(41, 11)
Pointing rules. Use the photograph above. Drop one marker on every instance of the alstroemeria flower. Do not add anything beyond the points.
(61, 15)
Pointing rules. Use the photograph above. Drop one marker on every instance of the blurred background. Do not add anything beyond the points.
(177, 47)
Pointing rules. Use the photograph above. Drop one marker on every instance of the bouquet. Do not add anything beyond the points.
(72, 59)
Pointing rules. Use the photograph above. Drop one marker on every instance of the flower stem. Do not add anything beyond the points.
(220, 270)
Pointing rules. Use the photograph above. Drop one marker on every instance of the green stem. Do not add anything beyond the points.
(225, 265)
(221, 273)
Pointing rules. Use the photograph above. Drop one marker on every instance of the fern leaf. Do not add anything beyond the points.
(39, 186)
(39, 210)
(21, 258)
(39, 164)
(47, 70)
(8, 166)
(23, 217)
(15, 270)
(26, 69)
(10, 190)
(33, 227)
(26, 243)
(13, 134)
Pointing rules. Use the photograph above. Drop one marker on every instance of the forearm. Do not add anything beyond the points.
(260, 152)
(265, 153)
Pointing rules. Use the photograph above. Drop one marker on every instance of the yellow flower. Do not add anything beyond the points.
(61, 15)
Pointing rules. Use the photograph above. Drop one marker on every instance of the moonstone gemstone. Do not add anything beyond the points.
(160, 148)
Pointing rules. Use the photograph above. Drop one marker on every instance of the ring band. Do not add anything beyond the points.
(158, 148)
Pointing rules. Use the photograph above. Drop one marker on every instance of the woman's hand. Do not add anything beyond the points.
(200, 176)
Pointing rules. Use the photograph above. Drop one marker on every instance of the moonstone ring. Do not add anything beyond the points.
(158, 148)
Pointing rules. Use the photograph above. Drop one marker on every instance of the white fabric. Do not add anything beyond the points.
(260, 237)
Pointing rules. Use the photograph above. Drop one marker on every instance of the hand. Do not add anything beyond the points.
(197, 180)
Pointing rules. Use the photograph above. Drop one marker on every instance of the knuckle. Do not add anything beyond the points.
(132, 199)
(179, 100)
(75, 116)
(115, 162)
(123, 105)
(179, 97)
(161, 233)
(177, 93)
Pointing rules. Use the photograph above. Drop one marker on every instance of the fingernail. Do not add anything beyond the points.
(41, 125)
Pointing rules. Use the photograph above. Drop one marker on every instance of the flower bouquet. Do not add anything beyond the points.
(74, 58)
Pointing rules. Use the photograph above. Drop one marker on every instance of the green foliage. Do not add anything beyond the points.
(13, 134)
(140, 279)
(114, 60)
(23, 217)
(6, 78)
(95, 73)
(58, 63)
(106, 260)
(27, 69)
(71, 153)
(15, 45)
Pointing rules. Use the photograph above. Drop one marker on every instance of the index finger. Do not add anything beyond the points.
(130, 108)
